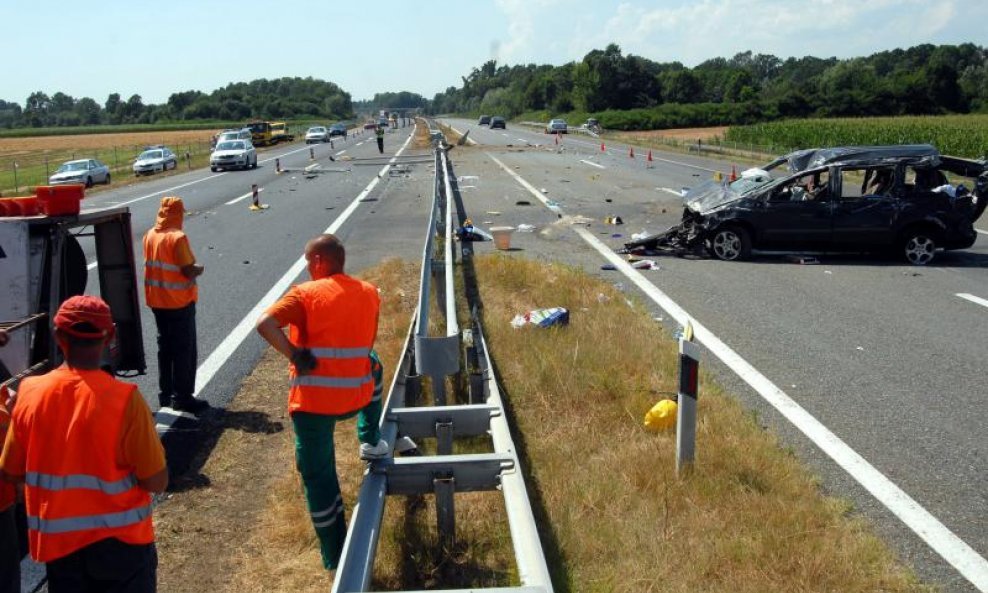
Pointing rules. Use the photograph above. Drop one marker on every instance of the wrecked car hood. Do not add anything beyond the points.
(711, 195)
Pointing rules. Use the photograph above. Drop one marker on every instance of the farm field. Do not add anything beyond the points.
(32, 146)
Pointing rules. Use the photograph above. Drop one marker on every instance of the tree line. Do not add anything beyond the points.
(633, 91)
(266, 99)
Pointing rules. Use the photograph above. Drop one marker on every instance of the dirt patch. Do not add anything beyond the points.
(21, 146)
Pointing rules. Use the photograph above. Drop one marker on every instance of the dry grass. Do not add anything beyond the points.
(613, 515)
(681, 134)
(11, 147)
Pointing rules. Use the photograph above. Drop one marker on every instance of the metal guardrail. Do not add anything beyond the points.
(443, 474)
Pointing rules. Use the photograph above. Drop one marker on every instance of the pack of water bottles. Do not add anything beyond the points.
(553, 316)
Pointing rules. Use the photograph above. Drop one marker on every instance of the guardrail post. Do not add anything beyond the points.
(445, 487)
(444, 437)
(689, 370)
(413, 389)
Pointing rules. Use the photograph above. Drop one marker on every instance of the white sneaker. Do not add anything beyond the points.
(378, 451)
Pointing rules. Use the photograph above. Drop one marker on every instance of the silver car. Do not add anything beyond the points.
(154, 159)
(84, 171)
(316, 134)
(556, 126)
(232, 154)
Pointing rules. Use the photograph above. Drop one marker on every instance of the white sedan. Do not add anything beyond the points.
(231, 154)
(154, 159)
(85, 171)
(317, 134)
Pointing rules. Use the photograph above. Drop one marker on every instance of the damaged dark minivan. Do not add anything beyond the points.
(907, 200)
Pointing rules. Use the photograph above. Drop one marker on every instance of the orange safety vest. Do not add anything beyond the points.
(69, 423)
(340, 326)
(165, 286)
(8, 494)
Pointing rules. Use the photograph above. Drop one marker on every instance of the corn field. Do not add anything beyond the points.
(957, 135)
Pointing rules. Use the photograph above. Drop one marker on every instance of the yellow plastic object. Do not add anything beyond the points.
(662, 416)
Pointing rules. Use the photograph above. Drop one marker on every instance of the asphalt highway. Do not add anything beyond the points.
(886, 356)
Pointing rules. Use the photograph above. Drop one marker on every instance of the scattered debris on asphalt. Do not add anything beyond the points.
(554, 316)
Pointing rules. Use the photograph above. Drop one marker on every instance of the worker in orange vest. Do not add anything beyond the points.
(170, 272)
(332, 323)
(85, 446)
(10, 552)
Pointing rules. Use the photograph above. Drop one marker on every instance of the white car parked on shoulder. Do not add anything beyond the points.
(231, 154)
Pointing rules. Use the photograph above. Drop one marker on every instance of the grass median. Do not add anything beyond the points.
(612, 513)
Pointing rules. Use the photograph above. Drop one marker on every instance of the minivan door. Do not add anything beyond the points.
(867, 207)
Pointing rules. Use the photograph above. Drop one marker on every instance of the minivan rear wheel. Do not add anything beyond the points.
(731, 244)
(918, 246)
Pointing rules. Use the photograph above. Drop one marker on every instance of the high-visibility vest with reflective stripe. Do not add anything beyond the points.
(165, 286)
(69, 423)
(8, 494)
(341, 323)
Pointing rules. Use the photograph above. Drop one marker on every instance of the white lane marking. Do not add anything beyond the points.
(278, 156)
(982, 232)
(218, 357)
(592, 164)
(92, 265)
(340, 152)
(243, 197)
(504, 134)
(973, 299)
(672, 191)
(941, 539)
(545, 201)
(521, 140)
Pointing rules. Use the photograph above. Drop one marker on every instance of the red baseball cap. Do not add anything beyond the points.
(85, 309)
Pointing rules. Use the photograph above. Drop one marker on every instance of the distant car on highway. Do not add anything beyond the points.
(556, 126)
(337, 130)
(484, 120)
(242, 134)
(498, 122)
(154, 159)
(316, 134)
(369, 125)
(231, 154)
(84, 171)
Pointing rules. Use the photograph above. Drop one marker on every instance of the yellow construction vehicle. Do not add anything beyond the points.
(260, 133)
(279, 132)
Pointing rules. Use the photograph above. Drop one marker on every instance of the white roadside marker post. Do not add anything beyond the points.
(689, 370)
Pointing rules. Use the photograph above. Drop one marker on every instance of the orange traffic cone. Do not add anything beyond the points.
(734, 174)
(631, 152)
(602, 149)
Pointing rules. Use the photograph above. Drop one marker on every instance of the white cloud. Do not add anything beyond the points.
(524, 18)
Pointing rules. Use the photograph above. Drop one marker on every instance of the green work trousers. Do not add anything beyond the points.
(315, 458)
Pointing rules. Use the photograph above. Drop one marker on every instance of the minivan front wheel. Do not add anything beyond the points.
(918, 247)
(731, 244)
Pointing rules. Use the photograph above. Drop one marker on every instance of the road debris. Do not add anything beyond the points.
(553, 316)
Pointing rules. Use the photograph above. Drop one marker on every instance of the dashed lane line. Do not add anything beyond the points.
(982, 232)
(942, 540)
(973, 299)
(672, 191)
(243, 197)
(592, 164)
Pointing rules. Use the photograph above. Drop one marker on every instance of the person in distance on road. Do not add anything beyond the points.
(170, 272)
(379, 131)
(332, 323)
(86, 448)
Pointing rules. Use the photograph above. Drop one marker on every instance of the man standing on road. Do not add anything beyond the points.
(170, 272)
(332, 323)
(379, 131)
(86, 448)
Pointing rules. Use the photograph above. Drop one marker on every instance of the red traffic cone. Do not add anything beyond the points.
(602, 149)
(734, 173)
(631, 152)
(650, 156)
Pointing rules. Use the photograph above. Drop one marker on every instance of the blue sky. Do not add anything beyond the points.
(156, 47)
